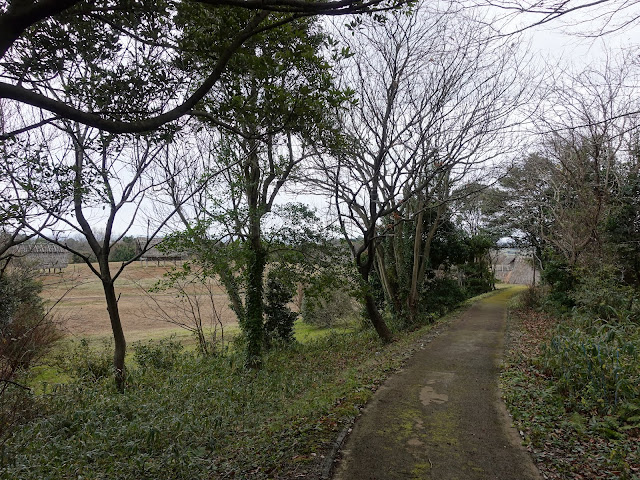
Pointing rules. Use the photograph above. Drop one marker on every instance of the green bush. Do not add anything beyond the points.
(80, 360)
(162, 354)
(595, 354)
(604, 298)
(440, 295)
(562, 281)
(597, 368)
(329, 310)
(27, 332)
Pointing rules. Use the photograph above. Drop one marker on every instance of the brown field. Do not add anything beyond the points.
(82, 310)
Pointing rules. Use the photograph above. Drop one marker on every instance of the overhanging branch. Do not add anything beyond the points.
(64, 110)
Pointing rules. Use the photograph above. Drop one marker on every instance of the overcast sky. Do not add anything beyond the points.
(574, 38)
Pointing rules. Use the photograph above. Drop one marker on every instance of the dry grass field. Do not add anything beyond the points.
(82, 310)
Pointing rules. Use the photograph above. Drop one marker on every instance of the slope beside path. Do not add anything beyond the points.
(442, 416)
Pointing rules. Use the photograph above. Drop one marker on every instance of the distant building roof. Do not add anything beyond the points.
(42, 255)
(153, 253)
(514, 266)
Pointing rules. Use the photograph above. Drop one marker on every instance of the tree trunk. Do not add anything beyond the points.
(370, 305)
(254, 303)
(376, 319)
(116, 325)
(389, 285)
(421, 258)
(412, 298)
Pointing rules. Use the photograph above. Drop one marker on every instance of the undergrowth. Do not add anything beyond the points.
(196, 417)
(572, 386)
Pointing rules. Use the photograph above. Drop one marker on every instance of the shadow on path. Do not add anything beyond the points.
(442, 417)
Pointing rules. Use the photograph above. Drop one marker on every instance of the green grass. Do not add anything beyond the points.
(48, 373)
(305, 333)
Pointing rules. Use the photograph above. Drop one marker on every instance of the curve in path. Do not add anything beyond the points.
(442, 416)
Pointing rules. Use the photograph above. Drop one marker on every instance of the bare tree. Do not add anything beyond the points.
(561, 198)
(436, 97)
(14, 212)
(588, 136)
(190, 303)
(93, 185)
(582, 17)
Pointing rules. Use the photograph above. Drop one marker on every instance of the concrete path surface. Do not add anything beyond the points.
(442, 417)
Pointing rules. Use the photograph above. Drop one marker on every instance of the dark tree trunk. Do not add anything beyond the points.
(390, 285)
(370, 305)
(116, 325)
(254, 327)
(376, 319)
(256, 261)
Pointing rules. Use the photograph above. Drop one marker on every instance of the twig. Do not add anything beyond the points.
(15, 383)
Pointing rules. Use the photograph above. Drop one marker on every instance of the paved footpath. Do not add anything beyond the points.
(442, 418)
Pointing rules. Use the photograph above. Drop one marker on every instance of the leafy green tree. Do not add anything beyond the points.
(124, 250)
(279, 318)
(519, 205)
(275, 104)
(455, 265)
(41, 43)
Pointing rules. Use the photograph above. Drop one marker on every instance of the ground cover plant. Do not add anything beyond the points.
(571, 385)
(195, 416)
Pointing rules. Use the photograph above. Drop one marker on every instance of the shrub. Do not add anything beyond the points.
(80, 360)
(330, 309)
(531, 298)
(562, 280)
(597, 368)
(162, 354)
(595, 355)
(604, 297)
(27, 332)
(441, 295)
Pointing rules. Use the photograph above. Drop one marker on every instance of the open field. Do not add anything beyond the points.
(82, 310)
